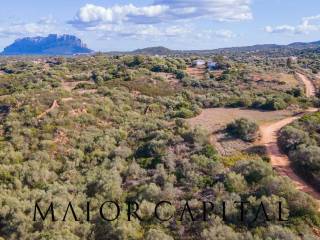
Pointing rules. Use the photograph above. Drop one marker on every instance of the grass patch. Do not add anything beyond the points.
(231, 160)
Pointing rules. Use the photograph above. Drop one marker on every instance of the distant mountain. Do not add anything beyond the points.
(53, 44)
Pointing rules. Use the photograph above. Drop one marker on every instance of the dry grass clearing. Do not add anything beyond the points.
(288, 79)
(196, 72)
(215, 120)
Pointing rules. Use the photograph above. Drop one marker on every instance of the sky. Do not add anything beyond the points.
(112, 25)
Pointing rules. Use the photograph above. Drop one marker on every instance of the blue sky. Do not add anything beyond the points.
(177, 24)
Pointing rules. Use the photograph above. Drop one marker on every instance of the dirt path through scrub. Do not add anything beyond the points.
(53, 106)
(310, 88)
(280, 162)
(270, 125)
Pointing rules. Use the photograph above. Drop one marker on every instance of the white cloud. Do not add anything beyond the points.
(143, 31)
(92, 15)
(280, 29)
(42, 27)
(160, 11)
(162, 19)
(227, 34)
(160, 32)
(307, 25)
(222, 34)
(221, 10)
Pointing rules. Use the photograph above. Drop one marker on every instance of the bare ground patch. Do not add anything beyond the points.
(285, 78)
(196, 72)
(88, 91)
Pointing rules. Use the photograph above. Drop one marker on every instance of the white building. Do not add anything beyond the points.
(198, 63)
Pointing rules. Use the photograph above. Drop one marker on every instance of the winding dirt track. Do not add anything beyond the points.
(310, 88)
(280, 162)
(53, 106)
(269, 136)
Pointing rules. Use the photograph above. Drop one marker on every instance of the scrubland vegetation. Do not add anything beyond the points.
(129, 140)
(300, 141)
(244, 129)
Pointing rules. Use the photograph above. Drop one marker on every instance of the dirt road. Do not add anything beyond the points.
(279, 161)
(270, 125)
(310, 89)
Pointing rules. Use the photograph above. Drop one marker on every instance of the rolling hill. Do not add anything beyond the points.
(160, 50)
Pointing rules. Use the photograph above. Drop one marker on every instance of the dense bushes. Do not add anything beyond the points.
(120, 144)
(244, 129)
(290, 138)
(274, 104)
(301, 142)
(307, 158)
(238, 93)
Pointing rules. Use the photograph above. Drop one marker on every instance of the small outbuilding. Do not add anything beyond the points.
(198, 63)
(211, 65)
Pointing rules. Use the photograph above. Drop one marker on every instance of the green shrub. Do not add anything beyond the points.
(290, 138)
(274, 104)
(184, 113)
(244, 129)
(235, 183)
(180, 74)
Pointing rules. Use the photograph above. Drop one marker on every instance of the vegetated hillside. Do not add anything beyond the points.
(154, 51)
(310, 59)
(261, 49)
(273, 47)
(69, 45)
(91, 129)
(50, 45)
(302, 45)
